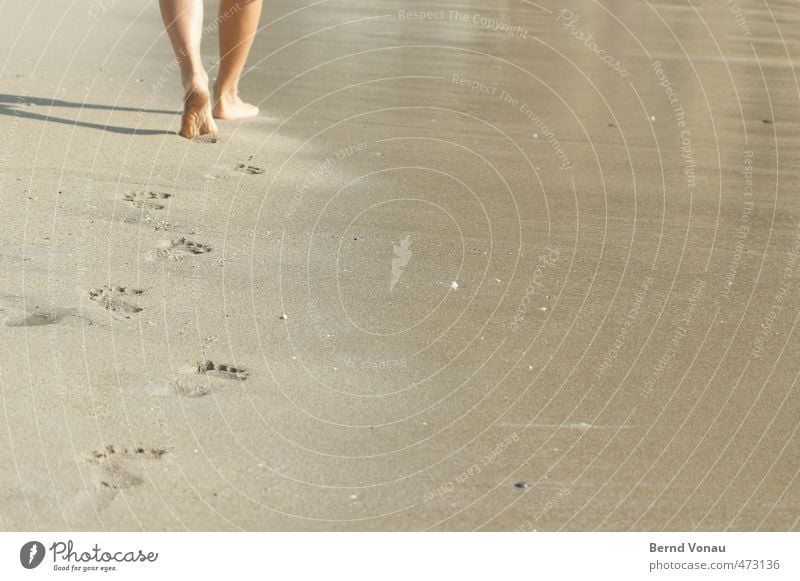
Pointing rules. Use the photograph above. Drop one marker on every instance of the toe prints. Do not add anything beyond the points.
(222, 371)
(117, 299)
(181, 248)
(111, 452)
(149, 200)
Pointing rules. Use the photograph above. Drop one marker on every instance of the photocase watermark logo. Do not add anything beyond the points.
(31, 554)
(65, 556)
(568, 19)
(402, 254)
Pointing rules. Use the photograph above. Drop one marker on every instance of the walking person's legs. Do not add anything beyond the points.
(184, 22)
(238, 23)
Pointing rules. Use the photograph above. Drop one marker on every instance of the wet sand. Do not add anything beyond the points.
(493, 268)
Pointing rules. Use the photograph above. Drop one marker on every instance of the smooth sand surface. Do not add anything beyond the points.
(263, 333)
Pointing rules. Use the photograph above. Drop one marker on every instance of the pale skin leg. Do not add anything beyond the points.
(184, 22)
(238, 23)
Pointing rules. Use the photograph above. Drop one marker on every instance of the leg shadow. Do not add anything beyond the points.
(9, 103)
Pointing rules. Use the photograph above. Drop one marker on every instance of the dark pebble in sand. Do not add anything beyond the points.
(522, 485)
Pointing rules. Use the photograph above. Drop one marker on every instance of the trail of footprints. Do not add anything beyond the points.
(195, 382)
(179, 248)
(114, 465)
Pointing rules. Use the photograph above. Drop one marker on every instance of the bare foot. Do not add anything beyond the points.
(229, 106)
(197, 119)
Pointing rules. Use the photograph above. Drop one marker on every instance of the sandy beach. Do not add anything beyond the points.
(519, 266)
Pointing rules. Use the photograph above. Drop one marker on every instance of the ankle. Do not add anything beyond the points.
(196, 81)
(225, 93)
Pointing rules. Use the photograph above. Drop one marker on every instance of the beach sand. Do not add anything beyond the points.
(488, 268)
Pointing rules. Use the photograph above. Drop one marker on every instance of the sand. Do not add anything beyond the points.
(487, 268)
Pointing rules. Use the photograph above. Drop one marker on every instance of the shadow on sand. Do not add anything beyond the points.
(13, 105)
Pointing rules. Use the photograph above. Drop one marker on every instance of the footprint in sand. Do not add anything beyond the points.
(200, 380)
(36, 318)
(180, 248)
(112, 474)
(148, 200)
(249, 169)
(111, 461)
(117, 299)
